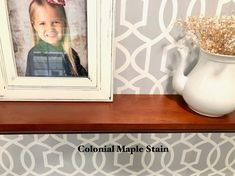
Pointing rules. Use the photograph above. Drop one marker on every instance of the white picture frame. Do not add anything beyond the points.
(97, 87)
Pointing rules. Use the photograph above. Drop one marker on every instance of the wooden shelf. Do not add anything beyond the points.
(128, 113)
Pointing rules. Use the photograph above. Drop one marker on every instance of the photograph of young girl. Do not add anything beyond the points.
(56, 50)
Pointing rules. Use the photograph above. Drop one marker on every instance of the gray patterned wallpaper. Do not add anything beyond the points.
(145, 37)
(145, 40)
(58, 155)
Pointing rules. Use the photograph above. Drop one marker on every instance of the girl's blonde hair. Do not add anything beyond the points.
(66, 37)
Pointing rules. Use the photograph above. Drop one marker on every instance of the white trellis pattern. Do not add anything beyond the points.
(146, 37)
(195, 154)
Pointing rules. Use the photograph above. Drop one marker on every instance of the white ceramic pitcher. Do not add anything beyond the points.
(209, 89)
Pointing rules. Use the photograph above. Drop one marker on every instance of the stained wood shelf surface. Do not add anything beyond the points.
(127, 113)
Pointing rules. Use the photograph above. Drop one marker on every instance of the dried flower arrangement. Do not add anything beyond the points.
(213, 34)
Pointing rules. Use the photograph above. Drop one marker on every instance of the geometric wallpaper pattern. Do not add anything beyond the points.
(199, 154)
(145, 60)
(145, 41)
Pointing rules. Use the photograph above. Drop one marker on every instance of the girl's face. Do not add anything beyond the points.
(49, 24)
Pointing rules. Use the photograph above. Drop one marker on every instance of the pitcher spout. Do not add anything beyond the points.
(179, 79)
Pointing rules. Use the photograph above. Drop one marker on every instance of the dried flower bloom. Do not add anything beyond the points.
(213, 34)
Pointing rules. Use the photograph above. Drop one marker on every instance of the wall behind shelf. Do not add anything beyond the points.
(145, 37)
(144, 62)
(189, 154)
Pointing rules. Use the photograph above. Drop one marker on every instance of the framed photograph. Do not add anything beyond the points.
(56, 50)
